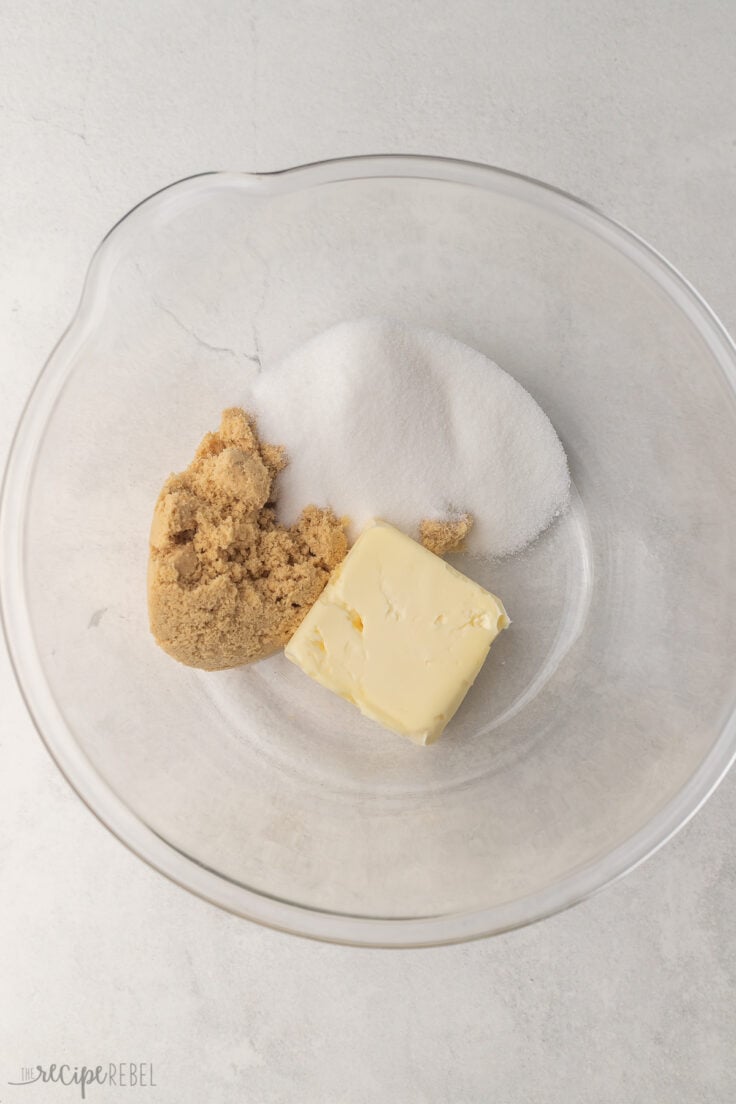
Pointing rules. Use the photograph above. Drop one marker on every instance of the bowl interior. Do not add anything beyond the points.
(594, 711)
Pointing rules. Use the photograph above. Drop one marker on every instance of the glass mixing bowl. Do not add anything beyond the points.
(604, 716)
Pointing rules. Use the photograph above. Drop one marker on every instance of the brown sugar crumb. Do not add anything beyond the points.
(444, 536)
(227, 584)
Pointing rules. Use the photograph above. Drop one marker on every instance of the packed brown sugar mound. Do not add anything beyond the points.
(227, 584)
(443, 536)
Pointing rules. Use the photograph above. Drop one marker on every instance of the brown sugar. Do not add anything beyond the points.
(227, 584)
(445, 535)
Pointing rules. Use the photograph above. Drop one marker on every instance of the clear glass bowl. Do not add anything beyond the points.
(605, 715)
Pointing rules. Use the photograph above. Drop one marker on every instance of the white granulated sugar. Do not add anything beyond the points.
(381, 419)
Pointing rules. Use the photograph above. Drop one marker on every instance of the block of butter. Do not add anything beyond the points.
(398, 632)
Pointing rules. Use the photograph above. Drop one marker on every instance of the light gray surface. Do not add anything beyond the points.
(630, 997)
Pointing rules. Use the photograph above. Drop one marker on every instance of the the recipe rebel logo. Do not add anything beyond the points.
(117, 1075)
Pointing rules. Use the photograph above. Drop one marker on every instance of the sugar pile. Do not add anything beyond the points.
(382, 419)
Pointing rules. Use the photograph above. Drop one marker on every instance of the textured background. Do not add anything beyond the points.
(630, 997)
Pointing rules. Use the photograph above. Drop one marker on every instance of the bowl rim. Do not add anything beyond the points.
(58, 739)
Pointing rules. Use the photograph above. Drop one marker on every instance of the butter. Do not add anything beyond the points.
(399, 633)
